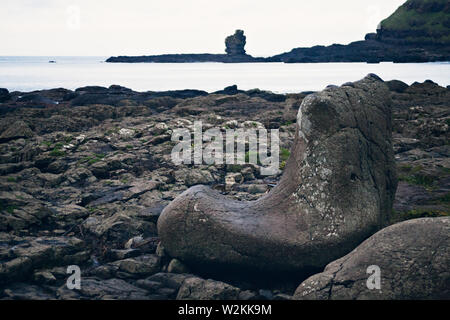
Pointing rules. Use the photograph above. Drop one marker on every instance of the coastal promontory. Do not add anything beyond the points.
(418, 31)
(235, 53)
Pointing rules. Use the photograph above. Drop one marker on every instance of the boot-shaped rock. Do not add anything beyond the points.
(337, 190)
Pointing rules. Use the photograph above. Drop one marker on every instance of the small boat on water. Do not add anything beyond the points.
(52, 61)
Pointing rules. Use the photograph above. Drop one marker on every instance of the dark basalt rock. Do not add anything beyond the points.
(16, 130)
(4, 95)
(397, 86)
(413, 258)
(235, 44)
(235, 49)
(231, 90)
(114, 95)
(371, 51)
(187, 58)
(337, 189)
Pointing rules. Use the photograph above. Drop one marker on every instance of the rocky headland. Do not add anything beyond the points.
(85, 176)
(418, 31)
(235, 53)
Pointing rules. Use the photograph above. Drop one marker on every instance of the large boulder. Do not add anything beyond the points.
(337, 190)
(413, 258)
(235, 44)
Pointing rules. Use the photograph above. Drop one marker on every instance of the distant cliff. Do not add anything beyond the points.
(418, 22)
(418, 31)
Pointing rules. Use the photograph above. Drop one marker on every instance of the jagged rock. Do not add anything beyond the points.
(24, 291)
(140, 266)
(112, 289)
(176, 266)
(198, 289)
(118, 228)
(163, 286)
(232, 179)
(19, 211)
(26, 257)
(44, 277)
(192, 177)
(159, 129)
(413, 258)
(17, 130)
(337, 189)
(235, 44)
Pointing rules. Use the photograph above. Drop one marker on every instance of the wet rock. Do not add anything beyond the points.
(25, 291)
(248, 295)
(112, 289)
(169, 280)
(19, 210)
(44, 277)
(134, 242)
(199, 289)
(17, 130)
(176, 266)
(119, 228)
(413, 258)
(140, 266)
(40, 252)
(115, 254)
(162, 286)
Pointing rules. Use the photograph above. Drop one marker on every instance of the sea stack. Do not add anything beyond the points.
(235, 44)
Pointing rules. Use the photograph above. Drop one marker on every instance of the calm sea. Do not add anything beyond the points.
(35, 73)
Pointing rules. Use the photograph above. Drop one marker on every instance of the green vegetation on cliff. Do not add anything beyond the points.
(419, 21)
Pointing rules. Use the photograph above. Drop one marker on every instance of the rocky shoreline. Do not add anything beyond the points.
(85, 175)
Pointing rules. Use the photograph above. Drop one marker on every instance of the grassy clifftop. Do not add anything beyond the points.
(418, 21)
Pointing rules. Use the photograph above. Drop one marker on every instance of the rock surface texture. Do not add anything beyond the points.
(235, 44)
(413, 258)
(87, 186)
(338, 189)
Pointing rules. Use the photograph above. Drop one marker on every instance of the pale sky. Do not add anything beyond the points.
(141, 27)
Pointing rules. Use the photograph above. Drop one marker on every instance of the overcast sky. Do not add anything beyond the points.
(138, 27)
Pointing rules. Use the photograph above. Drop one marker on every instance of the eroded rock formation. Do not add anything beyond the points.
(337, 190)
(235, 44)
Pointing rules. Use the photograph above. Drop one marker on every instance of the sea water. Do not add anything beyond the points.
(36, 73)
